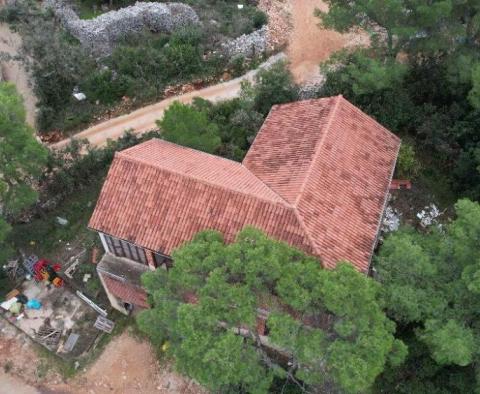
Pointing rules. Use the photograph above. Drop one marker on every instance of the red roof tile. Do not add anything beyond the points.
(126, 291)
(317, 177)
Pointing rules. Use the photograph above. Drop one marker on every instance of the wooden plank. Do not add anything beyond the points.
(92, 304)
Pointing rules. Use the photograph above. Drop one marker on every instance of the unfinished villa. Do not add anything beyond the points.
(317, 177)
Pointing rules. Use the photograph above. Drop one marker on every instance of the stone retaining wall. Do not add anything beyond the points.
(248, 45)
(100, 34)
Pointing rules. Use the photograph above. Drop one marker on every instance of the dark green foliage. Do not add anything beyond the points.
(188, 126)
(237, 123)
(104, 86)
(274, 86)
(22, 160)
(431, 288)
(347, 343)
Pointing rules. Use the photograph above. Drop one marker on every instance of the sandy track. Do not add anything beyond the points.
(15, 72)
(308, 44)
(144, 119)
(126, 366)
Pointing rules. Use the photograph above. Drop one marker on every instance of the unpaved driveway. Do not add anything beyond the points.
(309, 45)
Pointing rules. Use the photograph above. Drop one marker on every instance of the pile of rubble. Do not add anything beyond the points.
(101, 34)
(248, 45)
(279, 22)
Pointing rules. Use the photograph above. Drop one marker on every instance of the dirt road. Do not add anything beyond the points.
(310, 45)
(143, 119)
(15, 72)
(118, 370)
(307, 47)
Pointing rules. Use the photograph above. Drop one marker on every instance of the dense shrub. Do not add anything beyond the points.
(189, 126)
(140, 67)
(274, 86)
(408, 165)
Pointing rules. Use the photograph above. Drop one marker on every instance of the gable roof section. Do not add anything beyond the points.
(317, 177)
(157, 197)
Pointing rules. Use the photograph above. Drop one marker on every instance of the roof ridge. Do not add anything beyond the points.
(371, 119)
(203, 181)
(197, 151)
(331, 116)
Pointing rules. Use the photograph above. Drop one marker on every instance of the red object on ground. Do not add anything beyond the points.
(398, 184)
(41, 265)
(38, 267)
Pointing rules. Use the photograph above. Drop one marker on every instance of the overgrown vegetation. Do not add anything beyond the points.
(419, 78)
(21, 161)
(229, 127)
(346, 343)
(431, 290)
(140, 68)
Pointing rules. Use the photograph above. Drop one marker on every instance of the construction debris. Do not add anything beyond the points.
(61, 221)
(47, 335)
(428, 216)
(70, 342)
(104, 324)
(391, 220)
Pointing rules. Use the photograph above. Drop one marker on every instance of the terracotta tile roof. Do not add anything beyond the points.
(317, 176)
(160, 207)
(126, 291)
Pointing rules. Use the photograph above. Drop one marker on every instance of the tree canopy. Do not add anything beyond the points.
(413, 26)
(325, 328)
(419, 78)
(188, 126)
(432, 288)
(22, 159)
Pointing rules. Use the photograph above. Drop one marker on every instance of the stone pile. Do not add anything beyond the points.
(100, 34)
(248, 45)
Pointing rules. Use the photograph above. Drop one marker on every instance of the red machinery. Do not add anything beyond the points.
(44, 270)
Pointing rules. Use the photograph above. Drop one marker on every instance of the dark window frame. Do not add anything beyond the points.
(161, 259)
(121, 248)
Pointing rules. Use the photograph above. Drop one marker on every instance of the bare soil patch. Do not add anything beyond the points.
(309, 45)
(127, 365)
